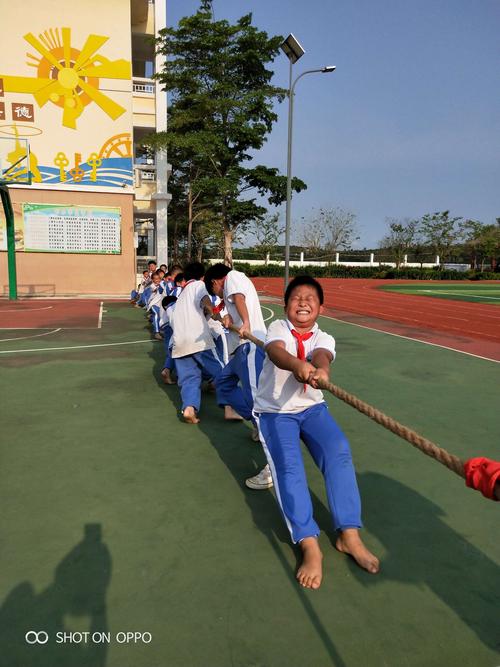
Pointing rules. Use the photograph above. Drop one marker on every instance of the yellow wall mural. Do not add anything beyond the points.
(68, 89)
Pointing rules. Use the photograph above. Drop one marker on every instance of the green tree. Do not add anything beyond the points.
(470, 232)
(440, 232)
(267, 233)
(401, 238)
(340, 228)
(220, 111)
(490, 245)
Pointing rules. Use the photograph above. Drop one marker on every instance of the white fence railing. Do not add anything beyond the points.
(311, 262)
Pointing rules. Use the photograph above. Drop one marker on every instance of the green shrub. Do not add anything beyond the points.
(386, 272)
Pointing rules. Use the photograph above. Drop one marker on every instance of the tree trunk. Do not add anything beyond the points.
(228, 236)
(175, 244)
(190, 222)
(228, 246)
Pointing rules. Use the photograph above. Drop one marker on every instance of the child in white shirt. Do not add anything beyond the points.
(290, 407)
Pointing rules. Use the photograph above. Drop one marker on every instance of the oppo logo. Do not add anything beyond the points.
(33, 637)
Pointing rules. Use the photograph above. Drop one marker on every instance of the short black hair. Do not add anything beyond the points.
(175, 267)
(304, 280)
(167, 300)
(215, 272)
(151, 261)
(194, 271)
(179, 277)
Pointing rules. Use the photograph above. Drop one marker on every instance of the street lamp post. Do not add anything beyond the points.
(293, 51)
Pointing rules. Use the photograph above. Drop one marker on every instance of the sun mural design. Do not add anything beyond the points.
(68, 77)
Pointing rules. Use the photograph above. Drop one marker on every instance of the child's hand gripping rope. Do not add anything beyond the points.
(480, 473)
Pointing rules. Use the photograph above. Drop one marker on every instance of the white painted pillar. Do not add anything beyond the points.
(301, 258)
(372, 259)
(437, 260)
(405, 260)
(337, 257)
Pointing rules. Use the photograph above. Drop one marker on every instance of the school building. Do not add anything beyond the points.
(76, 82)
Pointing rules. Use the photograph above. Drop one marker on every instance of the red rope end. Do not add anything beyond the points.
(482, 474)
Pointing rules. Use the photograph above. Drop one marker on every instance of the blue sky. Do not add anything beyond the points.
(408, 124)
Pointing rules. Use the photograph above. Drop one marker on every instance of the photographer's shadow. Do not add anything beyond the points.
(78, 590)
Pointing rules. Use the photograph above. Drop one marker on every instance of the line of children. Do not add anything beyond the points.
(238, 383)
(277, 390)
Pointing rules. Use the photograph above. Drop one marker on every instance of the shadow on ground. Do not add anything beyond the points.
(421, 548)
(79, 591)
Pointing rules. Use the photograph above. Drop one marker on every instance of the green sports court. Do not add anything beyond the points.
(472, 292)
(118, 518)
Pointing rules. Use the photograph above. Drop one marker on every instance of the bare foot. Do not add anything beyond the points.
(310, 572)
(231, 415)
(167, 376)
(189, 415)
(349, 542)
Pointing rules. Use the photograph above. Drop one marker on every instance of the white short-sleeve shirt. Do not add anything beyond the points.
(191, 330)
(278, 389)
(238, 283)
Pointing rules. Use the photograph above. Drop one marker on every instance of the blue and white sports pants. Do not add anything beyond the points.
(167, 335)
(244, 367)
(280, 434)
(155, 318)
(191, 370)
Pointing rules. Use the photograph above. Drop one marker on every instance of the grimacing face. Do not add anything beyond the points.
(303, 307)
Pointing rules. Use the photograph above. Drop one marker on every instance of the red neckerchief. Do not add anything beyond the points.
(221, 306)
(300, 338)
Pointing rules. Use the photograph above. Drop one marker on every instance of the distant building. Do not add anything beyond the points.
(76, 81)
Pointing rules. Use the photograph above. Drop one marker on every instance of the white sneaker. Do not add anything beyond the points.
(262, 480)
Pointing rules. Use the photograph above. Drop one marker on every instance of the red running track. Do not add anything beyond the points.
(461, 325)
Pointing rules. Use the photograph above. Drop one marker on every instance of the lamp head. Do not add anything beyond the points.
(329, 68)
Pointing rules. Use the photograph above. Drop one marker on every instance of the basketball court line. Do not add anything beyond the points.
(99, 319)
(78, 347)
(269, 309)
(47, 333)
(23, 310)
(336, 319)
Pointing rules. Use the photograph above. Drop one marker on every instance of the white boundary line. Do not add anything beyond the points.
(47, 333)
(77, 347)
(415, 340)
(23, 310)
(99, 322)
(470, 296)
(269, 309)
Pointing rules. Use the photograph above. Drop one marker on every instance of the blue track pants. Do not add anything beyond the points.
(280, 435)
(191, 369)
(244, 367)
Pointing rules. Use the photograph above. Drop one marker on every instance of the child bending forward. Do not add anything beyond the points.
(289, 406)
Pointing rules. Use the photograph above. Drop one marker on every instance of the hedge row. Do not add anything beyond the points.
(388, 272)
